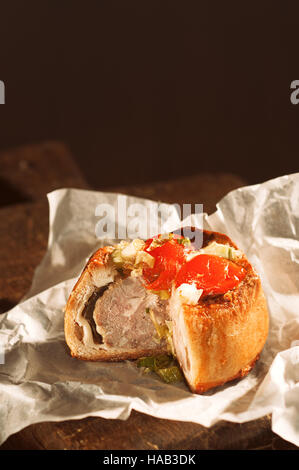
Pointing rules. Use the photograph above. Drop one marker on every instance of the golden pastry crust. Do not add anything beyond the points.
(226, 338)
(80, 294)
(225, 334)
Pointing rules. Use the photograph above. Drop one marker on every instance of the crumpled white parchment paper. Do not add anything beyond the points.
(39, 381)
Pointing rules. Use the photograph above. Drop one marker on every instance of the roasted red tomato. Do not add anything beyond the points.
(169, 258)
(211, 273)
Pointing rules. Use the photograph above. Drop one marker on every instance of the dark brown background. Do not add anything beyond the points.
(162, 88)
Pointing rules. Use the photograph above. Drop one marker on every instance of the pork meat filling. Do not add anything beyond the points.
(121, 316)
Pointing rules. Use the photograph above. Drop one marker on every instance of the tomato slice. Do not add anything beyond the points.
(211, 273)
(169, 258)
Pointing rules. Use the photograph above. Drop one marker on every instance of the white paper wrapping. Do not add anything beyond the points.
(40, 381)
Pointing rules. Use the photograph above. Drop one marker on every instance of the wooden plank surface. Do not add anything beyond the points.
(30, 173)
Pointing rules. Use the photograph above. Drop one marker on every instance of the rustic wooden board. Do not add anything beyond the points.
(28, 173)
(23, 237)
(206, 189)
(141, 432)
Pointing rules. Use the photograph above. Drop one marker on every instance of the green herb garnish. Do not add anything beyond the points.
(170, 374)
(183, 241)
(165, 366)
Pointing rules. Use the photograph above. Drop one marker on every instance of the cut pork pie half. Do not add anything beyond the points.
(204, 306)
